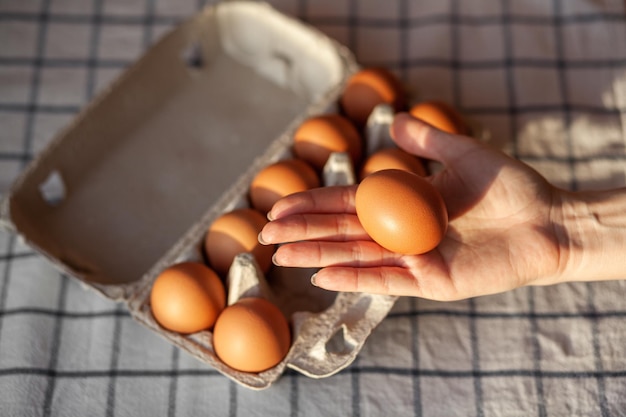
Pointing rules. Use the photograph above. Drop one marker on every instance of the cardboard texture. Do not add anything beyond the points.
(132, 184)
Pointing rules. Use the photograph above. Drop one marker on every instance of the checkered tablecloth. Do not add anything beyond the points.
(546, 78)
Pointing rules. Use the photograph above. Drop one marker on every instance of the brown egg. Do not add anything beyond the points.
(233, 233)
(392, 158)
(251, 335)
(279, 180)
(368, 88)
(440, 115)
(319, 136)
(187, 297)
(401, 211)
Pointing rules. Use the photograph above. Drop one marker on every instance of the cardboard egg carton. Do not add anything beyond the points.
(131, 186)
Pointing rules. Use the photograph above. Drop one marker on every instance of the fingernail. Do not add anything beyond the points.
(269, 216)
(260, 239)
(274, 260)
(398, 119)
(313, 277)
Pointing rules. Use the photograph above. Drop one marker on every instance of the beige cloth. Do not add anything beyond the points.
(546, 79)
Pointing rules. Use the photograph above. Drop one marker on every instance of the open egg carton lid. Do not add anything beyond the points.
(131, 185)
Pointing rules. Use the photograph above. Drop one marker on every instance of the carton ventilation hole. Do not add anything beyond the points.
(338, 344)
(53, 189)
(192, 55)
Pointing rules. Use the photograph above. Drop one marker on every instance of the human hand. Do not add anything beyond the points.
(503, 231)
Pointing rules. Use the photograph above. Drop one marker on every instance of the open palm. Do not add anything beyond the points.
(503, 231)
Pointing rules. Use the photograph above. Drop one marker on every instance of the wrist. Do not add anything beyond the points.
(591, 231)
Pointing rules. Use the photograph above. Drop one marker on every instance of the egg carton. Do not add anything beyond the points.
(132, 184)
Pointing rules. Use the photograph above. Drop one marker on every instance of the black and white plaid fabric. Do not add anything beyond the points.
(546, 78)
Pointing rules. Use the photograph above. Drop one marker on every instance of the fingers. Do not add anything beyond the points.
(366, 267)
(297, 227)
(378, 280)
(319, 200)
(421, 139)
(316, 254)
(354, 266)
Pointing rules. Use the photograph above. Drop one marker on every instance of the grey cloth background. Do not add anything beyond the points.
(547, 78)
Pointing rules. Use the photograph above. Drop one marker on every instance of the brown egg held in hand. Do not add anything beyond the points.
(251, 335)
(368, 88)
(441, 116)
(401, 211)
(187, 297)
(279, 180)
(392, 158)
(233, 233)
(319, 136)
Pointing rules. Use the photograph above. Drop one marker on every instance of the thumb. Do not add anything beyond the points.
(421, 139)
